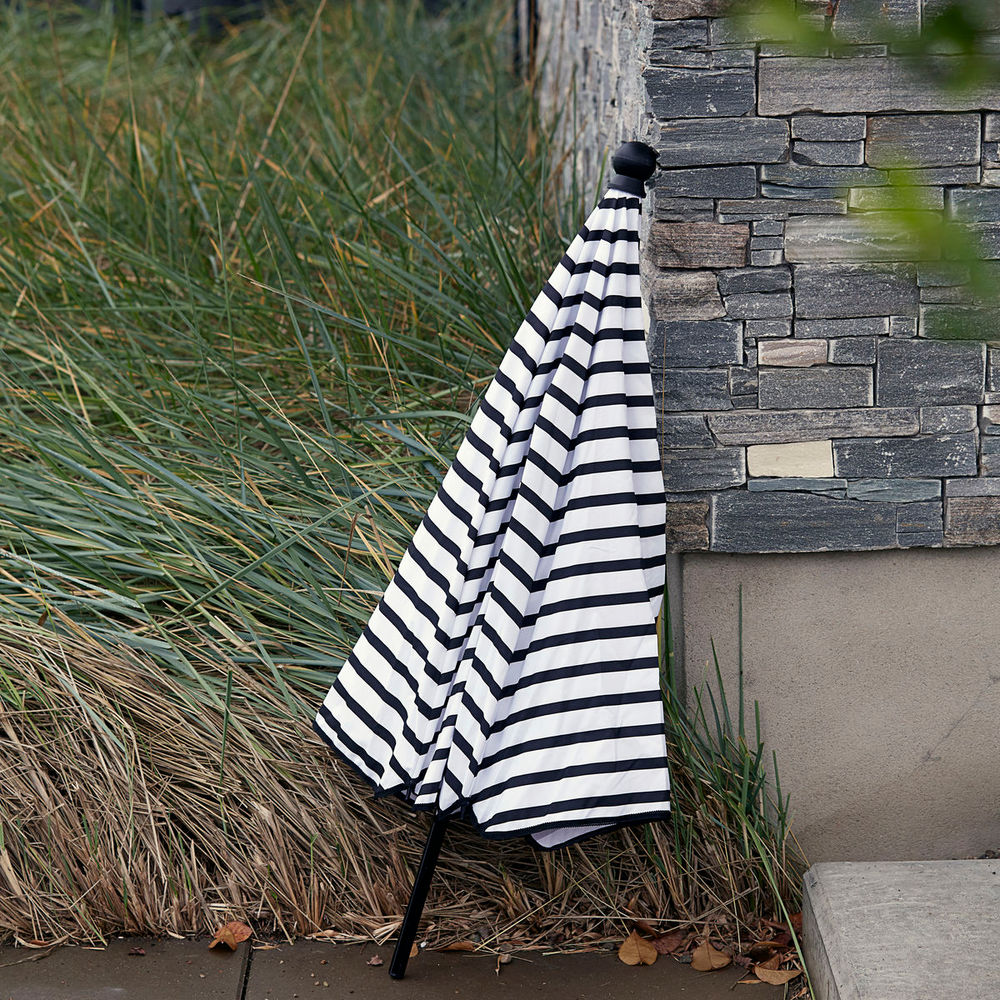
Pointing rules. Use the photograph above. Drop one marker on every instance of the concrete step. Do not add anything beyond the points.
(907, 930)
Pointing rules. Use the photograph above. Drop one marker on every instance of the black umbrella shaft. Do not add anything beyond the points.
(414, 909)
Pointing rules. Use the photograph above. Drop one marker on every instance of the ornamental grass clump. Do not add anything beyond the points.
(250, 294)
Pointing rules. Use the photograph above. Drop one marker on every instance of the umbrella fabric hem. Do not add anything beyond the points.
(463, 810)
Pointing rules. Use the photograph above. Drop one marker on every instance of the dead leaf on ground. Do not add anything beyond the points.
(501, 960)
(414, 950)
(137, 951)
(459, 946)
(776, 977)
(772, 963)
(706, 958)
(231, 934)
(667, 944)
(375, 960)
(636, 950)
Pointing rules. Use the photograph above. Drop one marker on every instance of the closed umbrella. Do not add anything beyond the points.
(508, 676)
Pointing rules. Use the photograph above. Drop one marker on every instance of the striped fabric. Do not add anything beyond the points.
(508, 676)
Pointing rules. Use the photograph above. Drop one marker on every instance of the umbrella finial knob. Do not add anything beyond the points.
(634, 163)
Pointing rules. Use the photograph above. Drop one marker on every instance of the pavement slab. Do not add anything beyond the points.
(313, 970)
(907, 930)
(169, 970)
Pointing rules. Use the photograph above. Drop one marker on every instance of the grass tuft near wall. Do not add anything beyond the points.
(250, 293)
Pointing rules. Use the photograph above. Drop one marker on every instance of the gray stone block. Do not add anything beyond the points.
(743, 381)
(854, 944)
(700, 93)
(723, 58)
(989, 419)
(921, 539)
(766, 243)
(842, 86)
(686, 295)
(978, 487)
(693, 469)
(767, 227)
(875, 236)
(686, 389)
(948, 419)
(991, 127)
(684, 209)
(985, 16)
(922, 517)
(758, 329)
(984, 236)
(744, 521)
(707, 182)
(829, 128)
(954, 322)
(926, 373)
(923, 140)
(930, 176)
(766, 258)
(989, 457)
(698, 244)
(875, 20)
(899, 198)
(897, 490)
(846, 290)
(906, 458)
(671, 10)
(677, 35)
(700, 142)
(758, 305)
(902, 326)
(755, 279)
(863, 326)
(829, 154)
(772, 208)
(695, 343)
(852, 351)
(685, 430)
(801, 193)
(789, 426)
(973, 521)
(945, 296)
(978, 204)
(748, 402)
(942, 273)
(815, 388)
(800, 484)
(803, 175)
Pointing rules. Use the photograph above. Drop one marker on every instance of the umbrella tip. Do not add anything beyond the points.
(633, 163)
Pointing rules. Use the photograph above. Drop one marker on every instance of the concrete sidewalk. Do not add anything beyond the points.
(179, 970)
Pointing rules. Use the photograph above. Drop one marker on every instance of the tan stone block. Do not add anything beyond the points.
(972, 521)
(687, 526)
(804, 459)
(792, 353)
(698, 244)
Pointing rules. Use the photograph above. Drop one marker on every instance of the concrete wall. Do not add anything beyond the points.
(878, 678)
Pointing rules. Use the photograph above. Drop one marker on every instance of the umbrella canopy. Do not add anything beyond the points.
(509, 675)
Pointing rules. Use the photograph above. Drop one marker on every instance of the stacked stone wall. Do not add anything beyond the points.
(805, 404)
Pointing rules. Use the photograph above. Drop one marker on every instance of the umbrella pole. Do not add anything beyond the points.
(414, 909)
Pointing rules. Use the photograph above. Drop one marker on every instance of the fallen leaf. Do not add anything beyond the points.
(374, 960)
(772, 963)
(636, 950)
(459, 946)
(776, 977)
(646, 928)
(706, 958)
(667, 944)
(231, 934)
(796, 921)
(501, 960)
(414, 950)
(137, 951)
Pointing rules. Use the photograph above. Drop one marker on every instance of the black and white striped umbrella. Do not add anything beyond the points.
(509, 675)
